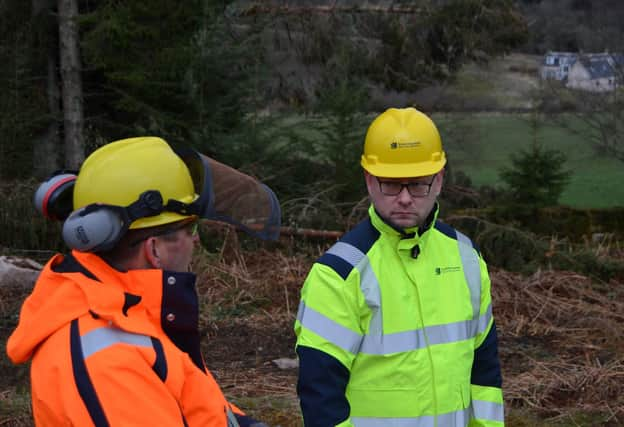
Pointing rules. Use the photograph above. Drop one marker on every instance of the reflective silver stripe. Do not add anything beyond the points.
(484, 319)
(372, 295)
(484, 410)
(389, 343)
(325, 327)
(472, 271)
(101, 338)
(347, 252)
(415, 339)
(459, 418)
(369, 285)
(231, 419)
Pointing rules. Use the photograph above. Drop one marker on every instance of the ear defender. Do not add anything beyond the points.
(54, 197)
(98, 227)
(93, 228)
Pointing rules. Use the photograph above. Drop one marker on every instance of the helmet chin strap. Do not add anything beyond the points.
(183, 208)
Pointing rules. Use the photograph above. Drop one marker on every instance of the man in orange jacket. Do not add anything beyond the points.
(112, 328)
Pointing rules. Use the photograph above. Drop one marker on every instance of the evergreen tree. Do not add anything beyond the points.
(23, 105)
(536, 177)
(164, 67)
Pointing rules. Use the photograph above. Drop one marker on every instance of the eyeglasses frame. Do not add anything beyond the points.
(406, 185)
(191, 225)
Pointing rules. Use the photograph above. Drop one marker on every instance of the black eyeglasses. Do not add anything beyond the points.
(414, 188)
(190, 227)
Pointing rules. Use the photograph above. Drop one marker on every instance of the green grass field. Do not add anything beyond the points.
(480, 144)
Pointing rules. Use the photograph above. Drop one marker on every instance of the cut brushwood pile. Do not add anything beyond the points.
(561, 335)
(561, 343)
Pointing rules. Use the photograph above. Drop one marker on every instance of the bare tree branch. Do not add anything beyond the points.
(336, 6)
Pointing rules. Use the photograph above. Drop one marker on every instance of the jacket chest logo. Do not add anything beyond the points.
(443, 270)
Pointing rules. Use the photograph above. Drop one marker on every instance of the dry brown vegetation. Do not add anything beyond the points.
(561, 338)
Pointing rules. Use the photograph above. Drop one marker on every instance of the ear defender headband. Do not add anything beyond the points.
(98, 227)
(54, 197)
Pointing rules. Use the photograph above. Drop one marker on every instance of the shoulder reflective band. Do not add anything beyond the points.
(472, 271)
(369, 285)
(101, 338)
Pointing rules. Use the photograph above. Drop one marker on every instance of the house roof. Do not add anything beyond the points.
(598, 67)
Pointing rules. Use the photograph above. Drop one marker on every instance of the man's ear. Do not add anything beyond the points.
(370, 181)
(441, 175)
(150, 251)
(440, 179)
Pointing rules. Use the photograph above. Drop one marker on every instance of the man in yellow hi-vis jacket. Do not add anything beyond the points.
(395, 325)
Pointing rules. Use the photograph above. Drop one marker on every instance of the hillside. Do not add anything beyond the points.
(505, 84)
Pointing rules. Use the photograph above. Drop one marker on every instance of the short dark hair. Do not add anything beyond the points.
(127, 248)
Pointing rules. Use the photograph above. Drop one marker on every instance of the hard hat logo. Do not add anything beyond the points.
(396, 145)
(402, 143)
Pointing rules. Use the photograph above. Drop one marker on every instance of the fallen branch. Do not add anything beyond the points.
(264, 8)
(309, 232)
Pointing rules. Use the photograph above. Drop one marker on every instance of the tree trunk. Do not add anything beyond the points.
(46, 150)
(73, 116)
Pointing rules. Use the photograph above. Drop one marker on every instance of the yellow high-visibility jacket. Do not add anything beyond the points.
(395, 329)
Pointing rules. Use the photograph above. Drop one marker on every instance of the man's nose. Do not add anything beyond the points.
(404, 197)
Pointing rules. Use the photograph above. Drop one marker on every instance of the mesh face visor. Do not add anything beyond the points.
(230, 196)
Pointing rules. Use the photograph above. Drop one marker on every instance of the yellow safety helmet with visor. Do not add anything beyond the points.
(145, 182)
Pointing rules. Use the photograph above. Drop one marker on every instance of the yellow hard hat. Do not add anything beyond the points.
(402, 143)
(118, 173)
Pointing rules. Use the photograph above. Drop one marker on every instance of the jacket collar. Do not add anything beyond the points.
(114, 293)
(407, 238)
(382, 225)
(80, 283)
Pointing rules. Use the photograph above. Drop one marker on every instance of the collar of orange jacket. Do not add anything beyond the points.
(61, 296)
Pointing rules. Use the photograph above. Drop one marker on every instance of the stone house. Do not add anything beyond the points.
(556, 65)
(593, 72)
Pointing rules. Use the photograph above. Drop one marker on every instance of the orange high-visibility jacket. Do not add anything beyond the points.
(112, 348)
